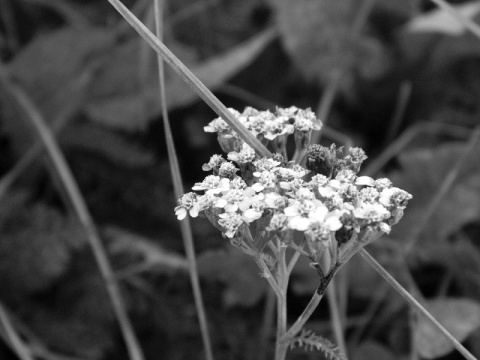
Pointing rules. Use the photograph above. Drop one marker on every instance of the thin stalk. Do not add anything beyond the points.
(311, 306)
(293, 261)
(189, 78)
(267, 274)
(281, 348)
(465, 21)
(178, 189)
(79, 207)
(22, 351)
(336, 318)
(415, 304)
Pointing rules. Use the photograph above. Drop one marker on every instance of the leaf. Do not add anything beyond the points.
(125, 100)
(317, 34)
(78, 318)
(54, 69)
(435, 51)
(237, 272)
(36, 246)
(107, 143)
(423, 171)
(441, 21)
(373, 350)
(310, 341)
(459, 316)
(152, 255)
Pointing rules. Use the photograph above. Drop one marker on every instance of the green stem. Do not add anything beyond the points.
(311, 306)
(282, 280)
(336, 318)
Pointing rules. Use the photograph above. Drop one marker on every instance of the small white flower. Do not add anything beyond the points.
(213, 184)
(346, 176)
(319, 180)
(277, 222)
(214, 163)
(364, 180)
(264, 164)
(246, 155)
(383, 183)
(394, 197)
(187, 203)
(369, 194)
(266, 180)
(256, 210)
(274, 200)
(217, 125)
(372, 212)
(230, 222)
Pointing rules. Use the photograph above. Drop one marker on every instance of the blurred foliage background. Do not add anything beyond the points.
(399, 78)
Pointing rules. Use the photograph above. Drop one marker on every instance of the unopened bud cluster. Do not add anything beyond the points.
(254, 199)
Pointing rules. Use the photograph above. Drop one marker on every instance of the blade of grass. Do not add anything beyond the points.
(71, 188)
(22, 351)
(178, 189)
(467, 22)
(415, 304)
(187, 76)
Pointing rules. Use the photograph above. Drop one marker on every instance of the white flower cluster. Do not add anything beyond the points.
(268, 127)
(328, 202)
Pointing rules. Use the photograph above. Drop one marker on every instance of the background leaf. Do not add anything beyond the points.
(124, 99)
(441, 21)
(459, 316)
(317, 34)
(423, 171)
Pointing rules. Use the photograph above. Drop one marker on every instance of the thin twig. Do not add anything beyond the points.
(188, 77)
(186, 229)
(415, 304)
(80, 209)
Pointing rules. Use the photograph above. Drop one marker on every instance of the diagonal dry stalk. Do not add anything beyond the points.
(63, 173)
(250, 139)
(179, 190)
(16, 342)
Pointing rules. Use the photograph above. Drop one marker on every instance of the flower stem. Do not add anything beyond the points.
(311, 306)
(282, 281)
